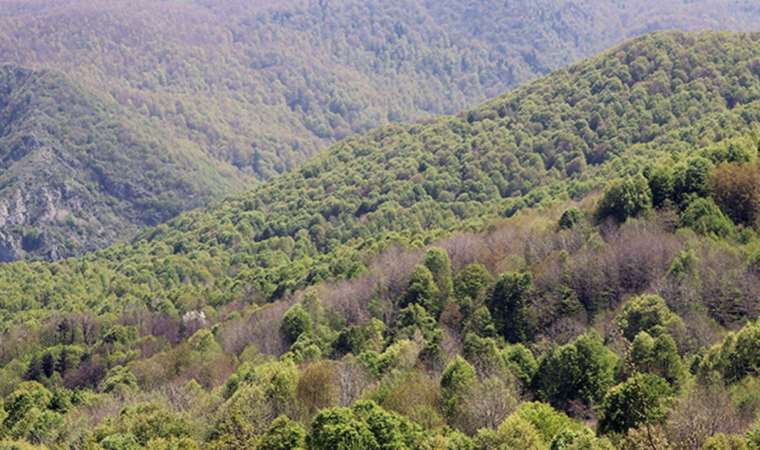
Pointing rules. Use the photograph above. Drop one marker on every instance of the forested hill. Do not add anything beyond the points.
(77, 172)
(572, 265)
(265, 84)
(657, 98)
(262, 85)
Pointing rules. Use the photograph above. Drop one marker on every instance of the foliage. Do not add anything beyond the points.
(735, 189)
(508, 306)
(641, 400)
(625, 198)
(580, 371)
(647, 313)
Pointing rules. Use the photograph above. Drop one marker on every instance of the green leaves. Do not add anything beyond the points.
(508, 304)
(625, 198)
(641, 400)
(580, 371)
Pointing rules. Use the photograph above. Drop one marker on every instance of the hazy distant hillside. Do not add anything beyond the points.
(265, 84)
(77, 172)
(262, 85)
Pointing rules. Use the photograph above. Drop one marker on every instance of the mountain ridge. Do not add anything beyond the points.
(252, 89)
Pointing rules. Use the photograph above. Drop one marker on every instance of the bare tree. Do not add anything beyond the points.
(703, 412)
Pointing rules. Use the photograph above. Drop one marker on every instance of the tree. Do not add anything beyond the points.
(646, 313)
(579, 439)
(736, 189)
(145, 422)
(438, 262)
(546, 420)
(488, 403)
(472, 282)
(295, 322)
(705, 217)
(471, 286)
(661, 183)
(753, 436)
(570, 218)
(390, 430)
(625, 198)
(456, 381)
(580, 371)
(691, 177)
(658, 356)
(515, 433)
(423, 291)
(28, 415)
(243, 418)
(521, 362)
(340, 429)
(722, 441)
(736, 357)
(283, 434)
(316, 387)
(508, 304)
(643, 399)
(704, 411)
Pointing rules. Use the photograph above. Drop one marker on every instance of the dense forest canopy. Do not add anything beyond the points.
(237, 91)
(573, 265)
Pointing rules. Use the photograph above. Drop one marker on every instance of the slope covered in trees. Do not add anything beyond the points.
(77, 172)
(262, 85)
(380, 297)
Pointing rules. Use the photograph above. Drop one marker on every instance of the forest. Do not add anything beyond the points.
(572, 265)
(209, 97)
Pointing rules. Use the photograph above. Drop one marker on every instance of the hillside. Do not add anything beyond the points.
(259, 86)
(78, 173)
(571, 265)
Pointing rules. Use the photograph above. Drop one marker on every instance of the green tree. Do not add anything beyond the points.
(705, 217)
(722, 441)
(570, 218)
(508, 304)
(423, 291)
(456, 381)
(647, 313)
(515, 433)
(658, 356)
(641, 400)
(546, 420)
(340, 429)
(283, 434)
(438, 262)
(625, 198)
(295, 322)
(691, 177)
(661, 183)
(582, 370)
(390, 430)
